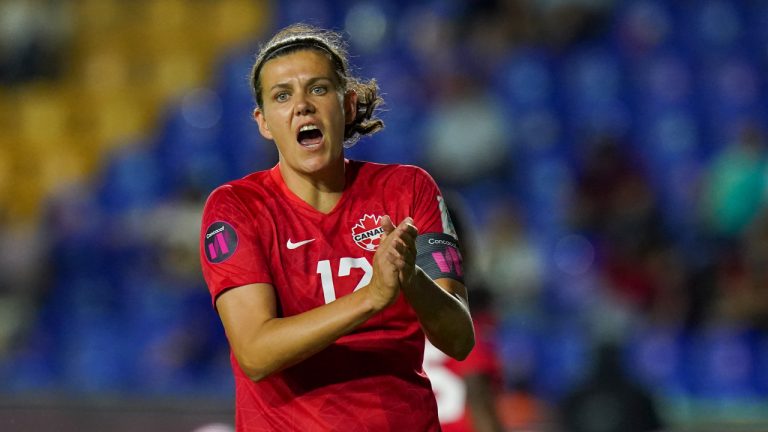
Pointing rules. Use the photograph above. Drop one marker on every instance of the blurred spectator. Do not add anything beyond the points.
(643, 27)
(671, 278)
(608, 401)
(735, 188)
(742, 278)
(490, 30)
(174, 233)
(616, 205)
(467, 132)
(608, 178)
(23, 280)
(34, 35)
(429, 36)
(733, 213)
(565, 22)
(511, 262)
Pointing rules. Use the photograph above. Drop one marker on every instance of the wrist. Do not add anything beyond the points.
(374, 300)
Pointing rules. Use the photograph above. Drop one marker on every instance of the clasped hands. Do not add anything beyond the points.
(394, 263)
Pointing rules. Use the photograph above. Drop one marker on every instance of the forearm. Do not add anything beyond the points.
(444, 315)
(276, 343)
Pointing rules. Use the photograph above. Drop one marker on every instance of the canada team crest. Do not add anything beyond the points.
(367, 233)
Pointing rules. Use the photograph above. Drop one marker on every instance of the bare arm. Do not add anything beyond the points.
(441, 305)
(264, 343)
(443, 312)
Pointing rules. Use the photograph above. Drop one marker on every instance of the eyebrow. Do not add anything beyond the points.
(310, 81)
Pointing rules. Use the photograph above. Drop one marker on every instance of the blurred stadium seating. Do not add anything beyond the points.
(111, 162)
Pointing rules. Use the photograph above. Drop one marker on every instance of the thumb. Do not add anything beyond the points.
(386, 224)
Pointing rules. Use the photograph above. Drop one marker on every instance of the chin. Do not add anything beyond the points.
(316, 164)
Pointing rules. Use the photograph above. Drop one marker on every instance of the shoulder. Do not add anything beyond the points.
(400, 174)
(247, 191)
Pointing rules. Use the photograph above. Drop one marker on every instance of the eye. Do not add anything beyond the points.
(319, 90)
(281, 97)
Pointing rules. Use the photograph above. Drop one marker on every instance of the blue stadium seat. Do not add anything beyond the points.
(526, 80)
(96, 358)
(35, 367)
(594, 92)
(644, 27)
(760, 343)
(655, 359)
(517, 349)
(242, 147)
(712, 29)
(315, 12)
(133, 179)
(188, 145)
(549, 180)
(720, 365)
(662, 82)
(732, 92)
(563, 359)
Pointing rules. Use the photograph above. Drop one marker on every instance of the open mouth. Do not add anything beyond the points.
(309, 135)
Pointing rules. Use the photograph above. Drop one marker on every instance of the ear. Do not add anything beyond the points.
(258, 115)
(350, 106)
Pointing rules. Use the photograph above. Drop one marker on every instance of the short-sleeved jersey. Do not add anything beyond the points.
(255, 230)
(447, 376)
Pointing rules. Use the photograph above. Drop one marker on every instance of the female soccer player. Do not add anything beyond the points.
(326, 302)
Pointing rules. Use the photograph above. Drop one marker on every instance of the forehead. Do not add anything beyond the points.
(305, 63)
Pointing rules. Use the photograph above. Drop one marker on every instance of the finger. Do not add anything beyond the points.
(409, 234)
(409, 254)
(405, 231)
(386, 224)
(391, 237)
(396, 246)
(396, 260)
(408, 240)
(408, 227)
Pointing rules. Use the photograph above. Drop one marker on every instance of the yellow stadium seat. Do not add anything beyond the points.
(42, 116)
(128, 59)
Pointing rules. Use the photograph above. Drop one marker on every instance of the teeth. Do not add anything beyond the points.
(307, 128)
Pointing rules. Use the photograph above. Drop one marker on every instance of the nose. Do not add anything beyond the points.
(303, 105)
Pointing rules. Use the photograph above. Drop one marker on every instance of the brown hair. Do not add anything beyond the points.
(298, 37)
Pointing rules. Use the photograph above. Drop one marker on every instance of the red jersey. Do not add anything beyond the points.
(255, 230)
(447, 376)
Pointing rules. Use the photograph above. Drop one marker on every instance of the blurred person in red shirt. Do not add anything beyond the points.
(467, 391)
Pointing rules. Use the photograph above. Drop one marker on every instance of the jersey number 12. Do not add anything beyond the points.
(346, 265)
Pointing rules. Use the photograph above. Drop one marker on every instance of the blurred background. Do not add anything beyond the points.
(610, 157)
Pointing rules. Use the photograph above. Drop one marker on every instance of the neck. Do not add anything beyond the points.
(321, 190)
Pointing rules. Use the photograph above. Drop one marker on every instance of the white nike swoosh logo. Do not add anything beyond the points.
(292, 245)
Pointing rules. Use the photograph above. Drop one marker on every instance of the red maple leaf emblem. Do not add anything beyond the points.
(367, 232)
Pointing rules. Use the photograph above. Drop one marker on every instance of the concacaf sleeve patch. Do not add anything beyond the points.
(438, 255)
(220, 242)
